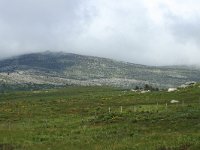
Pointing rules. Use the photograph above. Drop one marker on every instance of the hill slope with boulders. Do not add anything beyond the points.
(60, 69)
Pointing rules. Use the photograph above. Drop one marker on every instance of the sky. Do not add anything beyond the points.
(150, 32)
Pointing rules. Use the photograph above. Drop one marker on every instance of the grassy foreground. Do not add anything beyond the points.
(99, 118)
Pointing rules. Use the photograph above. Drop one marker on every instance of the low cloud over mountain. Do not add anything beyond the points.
(152, 32)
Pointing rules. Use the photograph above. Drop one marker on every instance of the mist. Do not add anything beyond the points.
(150, 32)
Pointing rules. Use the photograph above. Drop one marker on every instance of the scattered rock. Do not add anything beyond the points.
(172, 89)
(132, 90)
(187, 84)
(183, 86)
(35, 92)
(190, 83)
(145, 91)
(174, 101)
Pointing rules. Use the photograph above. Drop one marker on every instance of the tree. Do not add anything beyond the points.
(137, 87)
(147, 87)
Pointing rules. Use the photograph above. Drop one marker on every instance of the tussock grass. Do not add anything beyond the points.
(79, 118)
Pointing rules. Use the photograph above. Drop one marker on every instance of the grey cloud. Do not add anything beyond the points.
(123, 30)
(185, 30)
(27, 25)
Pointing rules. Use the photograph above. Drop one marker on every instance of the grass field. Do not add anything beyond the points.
(100, 118)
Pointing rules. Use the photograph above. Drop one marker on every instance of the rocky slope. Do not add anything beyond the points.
(71, 69)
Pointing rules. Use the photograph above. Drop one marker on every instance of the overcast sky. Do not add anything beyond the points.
(152, 32)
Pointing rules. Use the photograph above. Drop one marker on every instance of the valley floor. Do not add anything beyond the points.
(100, 118)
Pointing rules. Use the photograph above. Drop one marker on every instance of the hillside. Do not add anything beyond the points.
(60, 69)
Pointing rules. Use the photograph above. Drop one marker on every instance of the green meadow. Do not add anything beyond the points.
(100, 118)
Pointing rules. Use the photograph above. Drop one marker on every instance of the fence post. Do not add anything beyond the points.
(134, 108)
(157, 106)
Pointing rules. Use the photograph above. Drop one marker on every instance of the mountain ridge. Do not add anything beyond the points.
(59, 68)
